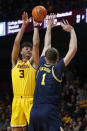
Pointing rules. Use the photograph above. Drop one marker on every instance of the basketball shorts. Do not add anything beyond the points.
(21, 107)
(45, 117)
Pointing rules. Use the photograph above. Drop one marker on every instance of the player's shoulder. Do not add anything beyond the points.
(42, 61)
(60, 63)
(42, 58)
(61, 60)
(18, 62)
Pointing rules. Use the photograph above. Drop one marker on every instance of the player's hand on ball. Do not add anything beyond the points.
(66, 26)
(36, 23)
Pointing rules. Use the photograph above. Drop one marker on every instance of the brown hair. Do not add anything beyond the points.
(51, 54)
(24, 44)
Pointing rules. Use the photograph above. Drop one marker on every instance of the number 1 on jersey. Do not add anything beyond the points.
(43, 79)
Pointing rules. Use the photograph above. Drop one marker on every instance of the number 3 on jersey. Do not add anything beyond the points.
(43, 79)
(21, 73)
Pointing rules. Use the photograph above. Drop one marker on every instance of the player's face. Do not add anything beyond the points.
(26, 52)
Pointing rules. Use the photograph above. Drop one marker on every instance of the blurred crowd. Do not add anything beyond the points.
(73, 104)
(5, 113)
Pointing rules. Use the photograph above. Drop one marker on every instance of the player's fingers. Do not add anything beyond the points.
(30, 19)
(64, 22)
(26, 14)
(67, 22)
(54, 16)
(49, 17)
(61, 23)
(23, 13)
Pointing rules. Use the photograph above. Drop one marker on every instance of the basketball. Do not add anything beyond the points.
(39, 13)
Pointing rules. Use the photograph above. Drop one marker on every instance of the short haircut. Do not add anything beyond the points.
(24, 44)
(51, 54)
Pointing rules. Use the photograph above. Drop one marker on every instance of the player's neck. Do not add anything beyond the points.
(24, 59)
(50, 63)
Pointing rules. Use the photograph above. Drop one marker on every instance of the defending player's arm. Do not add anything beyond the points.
(47, 41)
(16, 46)
(73, 42)
(35, 53)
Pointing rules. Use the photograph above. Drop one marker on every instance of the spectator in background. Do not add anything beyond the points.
(77, 113)
(85, 120)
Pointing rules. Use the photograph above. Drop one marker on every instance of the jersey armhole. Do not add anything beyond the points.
(55, 77)
(32, 66)
(15, 64)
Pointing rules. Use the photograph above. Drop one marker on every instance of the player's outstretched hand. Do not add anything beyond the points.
(66, 26)
(50, 22)
(25, 18)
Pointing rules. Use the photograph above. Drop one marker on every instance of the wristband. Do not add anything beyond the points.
(35, 26)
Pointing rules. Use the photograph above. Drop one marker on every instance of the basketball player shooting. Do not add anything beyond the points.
(24, 67)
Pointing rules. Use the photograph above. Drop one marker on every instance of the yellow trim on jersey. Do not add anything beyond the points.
(55, 76)
(26, 61)
(23, 97)
(15, 65)
(32, 66)
(61, 129)
(18, 125)
(47, 65)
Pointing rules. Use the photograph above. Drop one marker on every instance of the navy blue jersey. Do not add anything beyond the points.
(48, 83)
(45, 114)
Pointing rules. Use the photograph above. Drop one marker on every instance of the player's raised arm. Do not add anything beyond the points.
(16, 46)
(73, 42)
(35, 53)
(47, 41)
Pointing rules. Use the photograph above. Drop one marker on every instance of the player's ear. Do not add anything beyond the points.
(21, 52)
(58, 58)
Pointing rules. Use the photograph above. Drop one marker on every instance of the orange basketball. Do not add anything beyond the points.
(39, 13)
